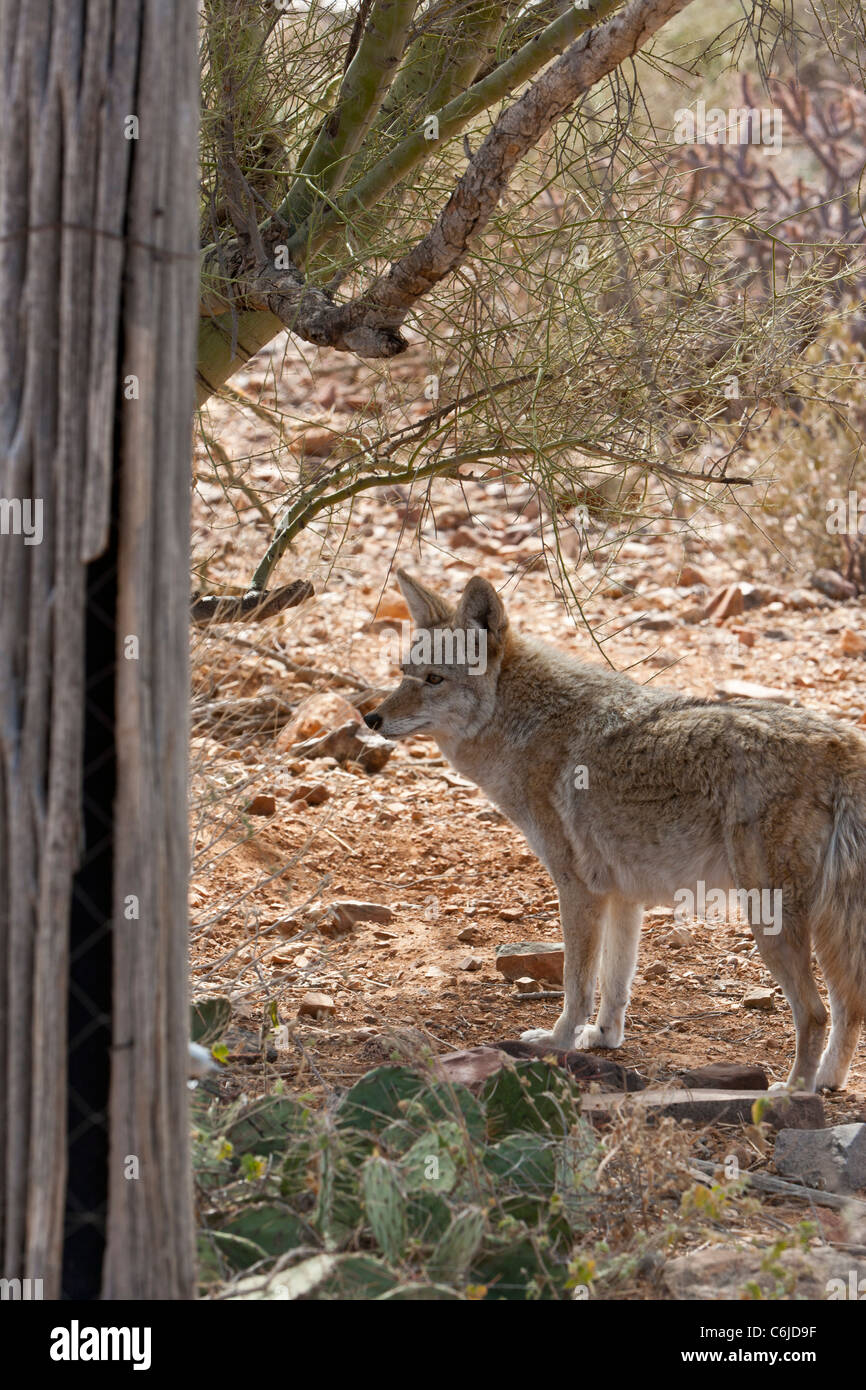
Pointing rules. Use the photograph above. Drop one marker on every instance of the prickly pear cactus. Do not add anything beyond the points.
(459, 1245)
(385, 1206)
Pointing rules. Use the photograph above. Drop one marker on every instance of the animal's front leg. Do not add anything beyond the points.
(618, 960)
(582, 916)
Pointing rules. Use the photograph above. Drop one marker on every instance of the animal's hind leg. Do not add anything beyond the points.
(841, 1046)
(618, 960)
(846, 1019)
(787, 955)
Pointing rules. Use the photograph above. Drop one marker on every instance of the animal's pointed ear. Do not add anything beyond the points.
(427, 608)
(480, 606)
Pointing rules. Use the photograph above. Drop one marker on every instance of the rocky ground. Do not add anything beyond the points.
(277, 838)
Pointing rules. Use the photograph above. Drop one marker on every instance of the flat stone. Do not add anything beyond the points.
(542, 960)
(722, 1272)
(526, 985)
(759, 999)
(832, 1160)
(832, 583)
(348, 911)
(262, 805)
(315, 1005)
(802, 1110)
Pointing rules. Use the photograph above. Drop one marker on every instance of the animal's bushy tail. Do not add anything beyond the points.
(840, 936)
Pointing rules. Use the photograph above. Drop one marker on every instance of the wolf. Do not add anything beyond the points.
(628, 794)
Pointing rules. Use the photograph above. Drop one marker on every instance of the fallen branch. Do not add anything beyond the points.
(251, 607)
(764, 1183)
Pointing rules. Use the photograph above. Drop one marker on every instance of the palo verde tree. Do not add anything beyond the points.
(516, 188)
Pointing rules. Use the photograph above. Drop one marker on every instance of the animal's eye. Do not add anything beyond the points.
(433, 679)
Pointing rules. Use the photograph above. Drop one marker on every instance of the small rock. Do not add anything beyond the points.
(656, 971)
(690, 577)
(317, 794)
(511, 914)
(759, 999)
(470, 935)
(656, 623)
(315, 1005)
(526, 985)
(353, 742)
(802, 599)
(833, 1160)
(679, 938)
(831, 583)
(299, 790)
(262, 805)
(726, 603)
(471, 963)
(390, 609)
(851, 643)
(348, 911)
(539, 959)
(316, 714)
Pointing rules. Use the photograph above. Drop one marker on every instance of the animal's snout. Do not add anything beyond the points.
(373, 720)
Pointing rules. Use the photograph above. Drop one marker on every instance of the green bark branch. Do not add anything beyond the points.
(363, 89)
(452, 119)
(370, 325)
(308, 508)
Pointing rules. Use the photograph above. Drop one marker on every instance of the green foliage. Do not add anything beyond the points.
(408, 1189)
(209, 1019)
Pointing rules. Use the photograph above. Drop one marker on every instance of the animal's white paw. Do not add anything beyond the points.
(590, 1035)
(539, 1035)
(830, 1078)
(779, 1088)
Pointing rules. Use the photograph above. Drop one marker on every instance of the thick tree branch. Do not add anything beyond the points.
(249, 608)
(384, 306)
(370, 325)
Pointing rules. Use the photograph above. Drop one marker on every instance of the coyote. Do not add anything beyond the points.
(628, 794)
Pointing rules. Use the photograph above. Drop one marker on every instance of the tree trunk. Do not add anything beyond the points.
(99, 284)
